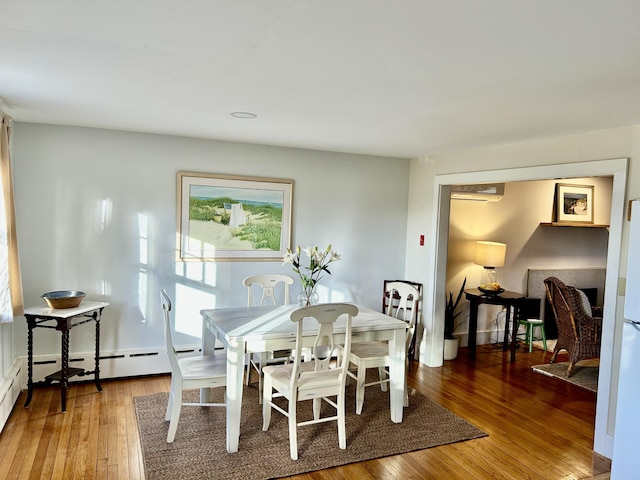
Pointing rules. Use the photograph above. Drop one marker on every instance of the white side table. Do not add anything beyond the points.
(63, 320)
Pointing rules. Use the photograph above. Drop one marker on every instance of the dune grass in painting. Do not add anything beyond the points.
(258, 223)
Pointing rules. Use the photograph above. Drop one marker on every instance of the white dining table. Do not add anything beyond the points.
(266, 329)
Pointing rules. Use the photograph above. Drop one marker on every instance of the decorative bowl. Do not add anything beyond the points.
(63, 298)
(491, 291)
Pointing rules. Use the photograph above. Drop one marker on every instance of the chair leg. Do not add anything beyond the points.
(382, 373)
(293, 426)
(175, 412)
(317, 406)
(362, 374)
(267, 396)
(167, 415)
(544, 337)
(248, 359)
(262, 359)
(342, 431)
(406, 390)
(530, 336)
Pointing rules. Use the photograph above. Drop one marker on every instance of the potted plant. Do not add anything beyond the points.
(450, 315)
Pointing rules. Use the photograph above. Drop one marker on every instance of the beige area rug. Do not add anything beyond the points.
(551, 344)
(199, 449)
(585, 374)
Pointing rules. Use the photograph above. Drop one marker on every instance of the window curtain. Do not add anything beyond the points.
(11, 301)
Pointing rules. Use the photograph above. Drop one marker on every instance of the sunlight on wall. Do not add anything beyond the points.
(105, 209)
(331, 295)
(142, 295)
(189, 300)
(188, 303)
(104, 288)
(192, 247)
(143, 277)
(201, 272)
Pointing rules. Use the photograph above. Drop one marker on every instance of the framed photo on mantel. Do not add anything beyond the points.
(574, 203)
(233, 218)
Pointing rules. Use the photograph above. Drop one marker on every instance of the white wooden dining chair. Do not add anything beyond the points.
(314, 380)
(203, 371)
(269, 283)
(375, 354)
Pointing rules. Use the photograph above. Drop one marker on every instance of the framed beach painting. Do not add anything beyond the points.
(233, 218)
(574, 203)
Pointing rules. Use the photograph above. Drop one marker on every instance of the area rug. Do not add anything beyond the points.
(583, 375)
(551, 344)
(199, 449)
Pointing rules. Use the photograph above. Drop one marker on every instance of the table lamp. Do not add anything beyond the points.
(490, 255)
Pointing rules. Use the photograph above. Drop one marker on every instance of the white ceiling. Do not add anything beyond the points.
(383, 77)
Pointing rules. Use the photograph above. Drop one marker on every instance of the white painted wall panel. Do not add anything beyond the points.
(82, 195)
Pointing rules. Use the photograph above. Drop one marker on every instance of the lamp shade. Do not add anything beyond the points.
(490, 254)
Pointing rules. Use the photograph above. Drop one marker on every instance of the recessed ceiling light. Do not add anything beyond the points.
(243, 115)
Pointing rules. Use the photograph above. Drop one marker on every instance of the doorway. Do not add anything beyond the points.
(435, 291)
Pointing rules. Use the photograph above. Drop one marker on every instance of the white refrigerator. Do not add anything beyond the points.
(626, 444)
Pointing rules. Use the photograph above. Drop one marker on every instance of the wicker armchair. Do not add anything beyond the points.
(578, 333)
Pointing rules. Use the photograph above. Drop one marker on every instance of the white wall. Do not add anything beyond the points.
(82, 195)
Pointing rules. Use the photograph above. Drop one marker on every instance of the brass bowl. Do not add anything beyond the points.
(491, 291)
(63, 298)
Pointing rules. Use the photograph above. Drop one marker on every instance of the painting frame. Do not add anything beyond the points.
(574, 203)
(233, 217)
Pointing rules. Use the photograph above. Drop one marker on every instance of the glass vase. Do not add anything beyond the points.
(306, 300)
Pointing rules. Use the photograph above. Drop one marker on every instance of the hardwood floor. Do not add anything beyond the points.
(539, 428)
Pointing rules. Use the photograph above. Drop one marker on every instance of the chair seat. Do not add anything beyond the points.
(281, 376)
(370, 350)
(534, 321)
(202, 366)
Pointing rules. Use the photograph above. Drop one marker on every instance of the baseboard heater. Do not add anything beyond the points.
(119, 364)
(10, 388)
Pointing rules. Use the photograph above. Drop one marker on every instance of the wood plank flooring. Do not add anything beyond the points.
(539, 428)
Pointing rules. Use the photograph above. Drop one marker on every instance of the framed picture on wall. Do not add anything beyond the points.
(233, 218)
(574, 203)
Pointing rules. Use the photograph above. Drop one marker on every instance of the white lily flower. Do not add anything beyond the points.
(288, 257)
(311, 273)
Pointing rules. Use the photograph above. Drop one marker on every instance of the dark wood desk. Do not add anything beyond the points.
(63, 320)
(507, 299)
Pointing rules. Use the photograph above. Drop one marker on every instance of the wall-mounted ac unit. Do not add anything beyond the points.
(488, 192)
